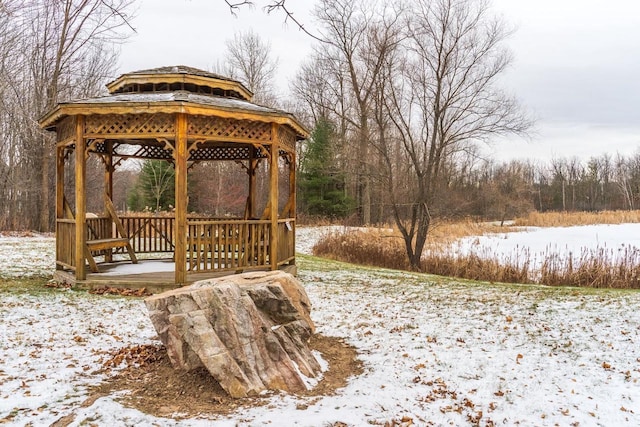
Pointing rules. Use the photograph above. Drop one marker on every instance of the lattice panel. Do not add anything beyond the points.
(66, 128)
(154, 152)
(223, 153)
(287, 137)
(215, 127)
(139, 124)
(142, 152)
(99, 147)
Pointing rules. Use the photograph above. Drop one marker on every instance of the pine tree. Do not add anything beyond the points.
(155, 188)
(322, 189)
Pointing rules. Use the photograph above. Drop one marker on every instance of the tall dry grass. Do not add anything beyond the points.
(565, 219)
(372, 247)
(597, 268)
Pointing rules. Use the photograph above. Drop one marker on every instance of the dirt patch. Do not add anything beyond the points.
(159, 390)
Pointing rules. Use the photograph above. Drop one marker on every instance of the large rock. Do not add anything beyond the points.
(249, 330)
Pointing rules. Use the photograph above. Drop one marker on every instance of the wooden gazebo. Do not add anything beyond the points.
(184, 116)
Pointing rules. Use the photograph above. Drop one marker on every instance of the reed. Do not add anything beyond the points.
(565, 219)
(597, 268)
(363, 247)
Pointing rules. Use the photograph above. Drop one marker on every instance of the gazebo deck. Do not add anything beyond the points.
(215, 247)
(156, 275)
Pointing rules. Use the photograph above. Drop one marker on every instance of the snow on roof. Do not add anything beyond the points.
(177, 96)
(181, 69)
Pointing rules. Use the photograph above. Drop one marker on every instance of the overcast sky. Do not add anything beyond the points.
(576, 68)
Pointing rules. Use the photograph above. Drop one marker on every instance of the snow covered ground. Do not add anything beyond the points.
(436, 351)
(535, 244)
(27, 256)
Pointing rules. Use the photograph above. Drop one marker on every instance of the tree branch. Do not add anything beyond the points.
(280, 4)
(234, 6)
(120, 14)
(274, 5)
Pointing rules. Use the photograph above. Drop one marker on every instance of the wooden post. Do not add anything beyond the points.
(80, 176)
(59, 198)
(108, 170)
(251, 208)
(292, 196)
(60, 182)
(273, 197)
(108, 188)
(180, 162)
(292, 186)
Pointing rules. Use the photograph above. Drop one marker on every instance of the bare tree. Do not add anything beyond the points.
(623, 182)
(62, 49)
(445, 98)
(249, 59)
(358, 37)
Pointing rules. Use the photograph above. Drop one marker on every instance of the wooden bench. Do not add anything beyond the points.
(111, 243)
(103, 244)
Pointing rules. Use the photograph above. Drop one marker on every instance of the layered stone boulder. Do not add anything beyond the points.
(250, 331)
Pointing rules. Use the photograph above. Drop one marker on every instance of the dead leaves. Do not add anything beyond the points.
(137, 355)
(405, 421)
(57, 285)
(460, 404)
(125, 292)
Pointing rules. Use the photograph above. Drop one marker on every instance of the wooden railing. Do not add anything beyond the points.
(150, 234)
(286, 240)
(212, 244)
(227, 245)
(66, 243)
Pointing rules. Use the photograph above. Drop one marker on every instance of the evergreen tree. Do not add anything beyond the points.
(322, 189)
(155, 188)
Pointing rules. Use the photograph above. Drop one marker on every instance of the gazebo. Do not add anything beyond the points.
(184, 116)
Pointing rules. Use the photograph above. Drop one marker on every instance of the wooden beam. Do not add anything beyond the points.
(180, 155)
(81, 207)
(273, 197)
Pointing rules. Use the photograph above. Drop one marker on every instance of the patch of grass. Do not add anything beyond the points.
(25, 285)
(308, 265)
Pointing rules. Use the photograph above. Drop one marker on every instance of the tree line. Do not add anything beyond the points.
(399, 97)
(484, 188)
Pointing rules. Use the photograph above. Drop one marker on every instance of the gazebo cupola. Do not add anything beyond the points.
(184, 116)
